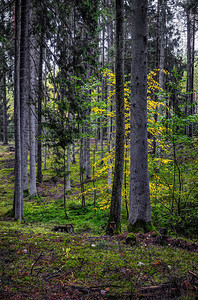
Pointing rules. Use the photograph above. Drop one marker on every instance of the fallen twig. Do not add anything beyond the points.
(193, 274)
(35, 262)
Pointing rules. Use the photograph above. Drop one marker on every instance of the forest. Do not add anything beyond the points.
(98, 149)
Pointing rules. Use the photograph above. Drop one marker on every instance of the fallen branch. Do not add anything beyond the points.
(35, 262)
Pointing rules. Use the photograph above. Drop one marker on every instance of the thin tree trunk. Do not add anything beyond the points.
(5, 116)
(115, 209)
(109, 104)
(73, 154)
(45, 99)
(102, 98)
(161, 67)
(24, 89)
(157, 55)
(82, 171)
(68, 183)
(40, 97)
(87, 141)
(32, 107)
(65, 204)
(190, 67)
(18, 192)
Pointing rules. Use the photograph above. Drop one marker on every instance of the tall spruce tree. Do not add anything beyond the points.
(139, 198)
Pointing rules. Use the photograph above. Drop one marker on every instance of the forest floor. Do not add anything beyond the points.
(39, 263)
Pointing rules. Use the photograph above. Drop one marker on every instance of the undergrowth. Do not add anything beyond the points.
(35, 261)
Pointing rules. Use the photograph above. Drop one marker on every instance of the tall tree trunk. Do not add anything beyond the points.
(82, 170)
(190, 67)
(3, 82)
(24, 89)
(40, 98)
(115, 209)
(109, 102)
(68, 183)
(18, 192)
(32, 107)
(157, 55)
(102, 97)
(73, 153)
(5, 117)
(139, 197)
(161, 66)
(87, 141)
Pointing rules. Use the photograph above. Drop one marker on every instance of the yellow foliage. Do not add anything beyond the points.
(153, 128)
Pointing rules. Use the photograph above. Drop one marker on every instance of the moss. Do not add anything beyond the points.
(131, 239)
(141, 226)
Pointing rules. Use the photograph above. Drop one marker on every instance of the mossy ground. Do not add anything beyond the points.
(36, 262)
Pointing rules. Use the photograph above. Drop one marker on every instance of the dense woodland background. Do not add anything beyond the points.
(98, 149)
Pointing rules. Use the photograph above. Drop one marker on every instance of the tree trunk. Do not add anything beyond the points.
(115, 209)
(102, 98)
(73, 153)
(40, 97)
(82, 171)
(87, 142)
(109, 102)
(190, 67)
(161, 67)
(5, 117)
(139, 198)
(32, 108)
(18, 192)
(24, 89)
(68, 183)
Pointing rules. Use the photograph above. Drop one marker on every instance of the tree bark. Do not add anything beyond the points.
(115, 209)
(24, 89)
(190, 67)
(32, 107)
(139, 198)
(5, 116)
(18, 192)
(68, 183)
(40, 97)
(161, 67)
(88, 143)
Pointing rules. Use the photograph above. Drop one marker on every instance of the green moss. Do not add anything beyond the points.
(131, 239)
(141, 226)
